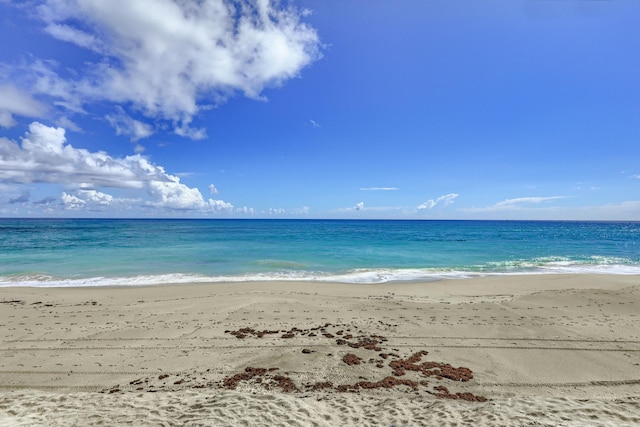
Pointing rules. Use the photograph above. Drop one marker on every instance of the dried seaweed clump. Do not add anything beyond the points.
(443, 393)
(261, 376)
(351, 359)
(430, 369)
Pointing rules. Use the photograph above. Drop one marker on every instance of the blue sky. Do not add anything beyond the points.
(521, 109)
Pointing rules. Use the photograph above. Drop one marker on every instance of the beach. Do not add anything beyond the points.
(543, 349)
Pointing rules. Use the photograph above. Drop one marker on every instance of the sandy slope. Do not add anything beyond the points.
(556, 350)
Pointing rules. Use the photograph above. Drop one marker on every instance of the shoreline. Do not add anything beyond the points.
(531, 343)
(135, 282)
(517, 284)
(364, 276)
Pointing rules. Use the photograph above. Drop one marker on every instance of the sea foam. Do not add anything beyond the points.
(356, 276)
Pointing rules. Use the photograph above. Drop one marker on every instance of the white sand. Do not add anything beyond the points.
(551, 350)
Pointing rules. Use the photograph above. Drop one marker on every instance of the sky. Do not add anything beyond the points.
(413, 109)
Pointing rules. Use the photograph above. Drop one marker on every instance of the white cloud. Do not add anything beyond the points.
(73, 35)
(445, 200)
(6, 119)
(90, 200)
(174, 195)
(15, 101)
(128, 126)
(525, 200)
(245, 210)
(72, 202)
(42, 79)
(213, 189)
(66, 123)
(188, 132)
(97, 197)
(168, 58)
(359, 206)
(315, 124)
(379, 189)
(429, 204)
(218, 205)
(45, 157)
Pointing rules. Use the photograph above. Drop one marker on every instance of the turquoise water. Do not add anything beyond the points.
(54, 252)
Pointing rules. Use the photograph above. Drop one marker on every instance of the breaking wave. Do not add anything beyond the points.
(547, 265)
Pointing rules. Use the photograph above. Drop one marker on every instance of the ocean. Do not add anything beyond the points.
(116, 252)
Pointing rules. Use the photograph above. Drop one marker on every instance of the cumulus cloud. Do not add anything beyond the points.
(445, 200)
(97, 197)
(359, 206)
(168, 59)
(213, 189)
(72, 202)
(88, 200)
(44, 156)
(177, 196)
(14, 101)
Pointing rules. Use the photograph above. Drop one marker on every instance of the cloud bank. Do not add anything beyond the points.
(44, 156)
(164, 59)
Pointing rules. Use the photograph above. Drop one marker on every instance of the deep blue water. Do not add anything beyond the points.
(81, 252)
